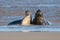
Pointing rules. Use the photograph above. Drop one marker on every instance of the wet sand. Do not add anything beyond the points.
(29, 35)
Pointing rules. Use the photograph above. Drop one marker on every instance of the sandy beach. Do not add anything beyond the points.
(29, 35)
(11, 10)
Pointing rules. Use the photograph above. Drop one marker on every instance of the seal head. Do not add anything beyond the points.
(27, 18)
(39, 19)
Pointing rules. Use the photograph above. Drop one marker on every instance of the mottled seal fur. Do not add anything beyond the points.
(38, 19)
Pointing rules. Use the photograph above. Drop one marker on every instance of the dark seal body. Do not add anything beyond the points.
(39, 19)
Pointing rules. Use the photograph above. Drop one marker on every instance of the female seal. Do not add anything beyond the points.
(27, 19)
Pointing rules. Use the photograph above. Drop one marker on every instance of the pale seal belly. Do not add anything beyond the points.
(27, 19)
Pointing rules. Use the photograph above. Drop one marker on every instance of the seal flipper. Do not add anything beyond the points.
(47, 22)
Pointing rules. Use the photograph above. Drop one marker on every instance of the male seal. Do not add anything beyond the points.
(38, 19)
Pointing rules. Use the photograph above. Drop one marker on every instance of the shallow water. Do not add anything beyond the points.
(37, 28)
(11, 10)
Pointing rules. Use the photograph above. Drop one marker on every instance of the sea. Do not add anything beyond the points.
(11, 10)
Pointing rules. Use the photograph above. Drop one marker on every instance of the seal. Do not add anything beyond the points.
(27, 19)
(38, 19)
(16, 22)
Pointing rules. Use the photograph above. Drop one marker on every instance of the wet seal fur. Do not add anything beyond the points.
(39, 19)
(27, 20)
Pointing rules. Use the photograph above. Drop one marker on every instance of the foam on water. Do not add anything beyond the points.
(33, 28)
